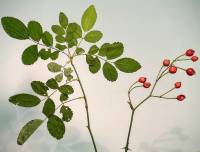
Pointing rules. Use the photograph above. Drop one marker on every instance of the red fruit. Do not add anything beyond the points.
(180, 97)
(173, 69)
(146, 84)
(177, 85)
(194, 58)
(190, 71)
(189, 52)
(142, 79)
(166, 62)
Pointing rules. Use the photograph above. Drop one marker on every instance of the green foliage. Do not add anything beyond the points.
(54, 55)
(59, 77)
(49, 107)
(67, 113)
(51, 83)
(30, 55)
(79, 51)
(66, 89)
(93, 36)
(58, 29)
(44, 54)
(39, 88)
(93, 50)
(94, 65)
(63, 20)
(47, 38)
(63, 97)
(28, 130)
(35, 30)
(56, 127)
(60, 38)
(24, 100)
(89, 18)
(109, 72)
(127, 65)
(54, 67)
(14, 28)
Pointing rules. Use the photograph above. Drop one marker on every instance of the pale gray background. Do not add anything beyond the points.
(150, 30)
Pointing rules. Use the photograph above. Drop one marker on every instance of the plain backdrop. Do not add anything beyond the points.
(150, 31)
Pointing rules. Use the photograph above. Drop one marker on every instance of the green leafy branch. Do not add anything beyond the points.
(67, 39)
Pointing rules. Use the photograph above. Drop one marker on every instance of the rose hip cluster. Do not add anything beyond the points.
(170, 67)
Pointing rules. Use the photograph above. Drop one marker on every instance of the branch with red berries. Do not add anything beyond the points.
(168, 67)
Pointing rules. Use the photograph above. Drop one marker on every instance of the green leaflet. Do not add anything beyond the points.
(93, 36)
(54, 67)
(63, 20)
(63, 97)
(49, 107)
(127, 65)
(39, 88)
(60, 39)
(89, 18)
(54, 55)
(79, 51)
(59, 77)
(67, 113)
(94, 64)
(30, 55)
(57, 29)
(66, 89)
(44, 54)
(47, 38)
(56, 127)
(14, 28)
(93, 50)
(51, 83)
(28, 130)
(109, 72)
(24, 100)
(35, 30)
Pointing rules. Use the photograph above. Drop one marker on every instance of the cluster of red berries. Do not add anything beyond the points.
(143, 80)
(189, 71)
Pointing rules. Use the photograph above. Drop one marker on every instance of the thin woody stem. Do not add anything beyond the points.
(167, 92)
(159, 76)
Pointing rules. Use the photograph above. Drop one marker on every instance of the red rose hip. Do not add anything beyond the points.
(189, 52)
(142, 79)
(194, 58)
(180, 97)
(173, 69)
(177, 85)
(146, 84)
(190, 71)
(166, 62)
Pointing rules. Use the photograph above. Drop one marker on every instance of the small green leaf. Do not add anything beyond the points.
(63, 20)
(51, 83)
(54, 55)
(58, 29)
(63, 97)
(93, 50)
(127, 65)
(56, 127)
(90, 59)
(103, 49)
(69, 77)
(35, 30)
(14, 28)
(24, 100)
(59, 77)
(54, 67)
(28, 130)
(93, 36)
(68, 71)
(60, 39)
(47, 38)
(60, 47)
(66, 89)
(44, 54)
(79, 51)
(39, 88)
(109, 72)
(89, 18)
(66, 113)
(30, 55)
(95, 67)
(49, 107)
